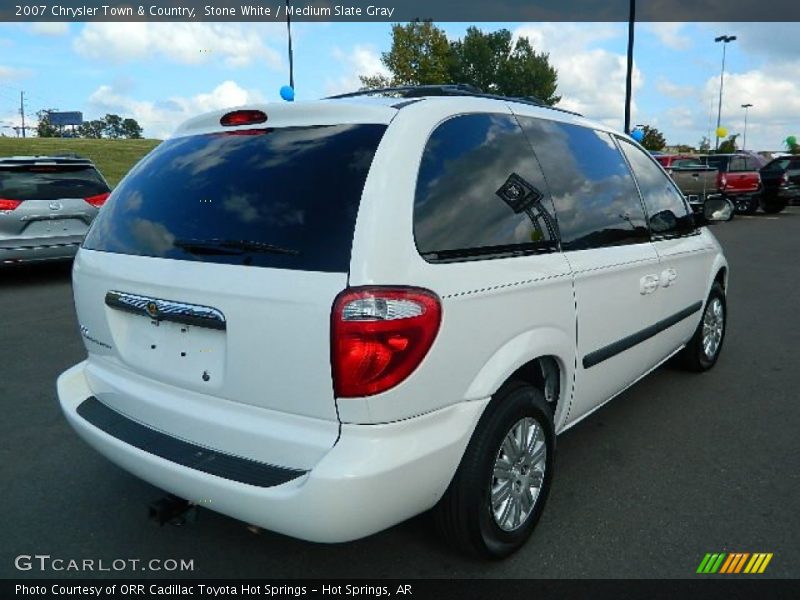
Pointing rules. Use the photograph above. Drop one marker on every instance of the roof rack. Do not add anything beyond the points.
(455, 89)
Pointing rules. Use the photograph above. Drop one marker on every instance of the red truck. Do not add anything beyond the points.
(738, 179)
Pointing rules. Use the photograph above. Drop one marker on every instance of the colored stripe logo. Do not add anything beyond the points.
(734, 562)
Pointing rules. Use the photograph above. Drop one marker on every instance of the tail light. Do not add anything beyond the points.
(8, 204)
(98, 200)
(380, 335)
(784, 180)
(722, 181)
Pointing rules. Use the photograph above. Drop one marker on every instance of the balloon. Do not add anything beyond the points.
(287, 93)
(638, 135)
(722, 132)
(791, 141)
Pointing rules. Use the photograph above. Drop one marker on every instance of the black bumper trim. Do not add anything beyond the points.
(187, 454)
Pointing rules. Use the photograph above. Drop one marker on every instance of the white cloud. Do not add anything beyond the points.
(52, 29)
(361, 60)
(8, 73)
(775, 97)
(237, 45)
(669, 35)
(591, 81)
(159, 119)
(675, 90)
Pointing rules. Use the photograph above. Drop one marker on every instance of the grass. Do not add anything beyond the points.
(114, 158)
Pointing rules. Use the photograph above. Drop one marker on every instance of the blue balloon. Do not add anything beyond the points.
(638, 135)
(287, 93)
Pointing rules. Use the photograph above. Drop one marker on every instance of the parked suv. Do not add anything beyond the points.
(781, 181)
(324, 318)
(46, 206)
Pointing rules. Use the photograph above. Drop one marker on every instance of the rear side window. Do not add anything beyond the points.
(596, 201)
(50, 182)
(738, 164)
(284, 198)
(480, 192)
(668, 214)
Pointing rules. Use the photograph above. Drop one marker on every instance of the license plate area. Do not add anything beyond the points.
(179, 353)
(53, 227)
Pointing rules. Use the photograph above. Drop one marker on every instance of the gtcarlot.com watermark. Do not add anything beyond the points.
(47, 563)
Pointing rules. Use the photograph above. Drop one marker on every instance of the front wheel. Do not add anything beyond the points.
(702, 351)
(499, 490)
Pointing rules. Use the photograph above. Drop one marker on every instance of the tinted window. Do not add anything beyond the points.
(46, 182)
(480, 191)
(779, 164)
(291, 195)
(595, 198)
(667, 211)
(718, 162)
(737, 164)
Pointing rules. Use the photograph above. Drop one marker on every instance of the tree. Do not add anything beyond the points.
(419, 55)
(131, 129)
(44, 128)
(729, 145)
(496, 64)
(422, 55)
(653, 138)
(704, 145)
(92, 129)
(113, 128)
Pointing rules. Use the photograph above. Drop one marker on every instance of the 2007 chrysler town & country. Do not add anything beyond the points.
(324, 318)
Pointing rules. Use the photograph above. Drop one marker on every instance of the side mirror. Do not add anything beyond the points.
(717, 209)
(663, 221)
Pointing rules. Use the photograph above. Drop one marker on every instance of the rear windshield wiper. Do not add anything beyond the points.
(218, 246)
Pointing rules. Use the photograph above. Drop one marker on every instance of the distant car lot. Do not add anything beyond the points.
(676, 467)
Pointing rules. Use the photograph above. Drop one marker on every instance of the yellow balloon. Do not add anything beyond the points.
(722, 132)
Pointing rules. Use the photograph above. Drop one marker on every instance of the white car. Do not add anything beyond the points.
(324, 318)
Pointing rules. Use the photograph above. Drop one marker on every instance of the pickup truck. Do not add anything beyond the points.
(738, 180)
(697, 180)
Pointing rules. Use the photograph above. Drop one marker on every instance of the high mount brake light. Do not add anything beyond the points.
(98, 200)
(380, 335)
(8, 204)
(243, 117)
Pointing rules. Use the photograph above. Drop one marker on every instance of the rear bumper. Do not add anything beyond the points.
(374, 476)
(39, 249)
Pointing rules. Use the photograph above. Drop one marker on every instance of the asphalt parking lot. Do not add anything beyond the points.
(677, 466)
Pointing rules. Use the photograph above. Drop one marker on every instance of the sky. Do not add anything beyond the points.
(163, 73)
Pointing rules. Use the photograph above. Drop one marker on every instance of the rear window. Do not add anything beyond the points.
(780, 164)
(284, 198)
(718, 162)
(50, 182)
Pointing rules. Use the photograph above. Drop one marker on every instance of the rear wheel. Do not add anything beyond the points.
(773, 205)
(498, 493)
(702, 351)
(746, 206)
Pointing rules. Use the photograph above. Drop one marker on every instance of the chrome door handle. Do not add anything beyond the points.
(648, 284)
(668, 276)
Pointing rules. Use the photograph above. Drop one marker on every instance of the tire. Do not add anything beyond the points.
(746, 206)
(695, 356)
(464, 515)
(773, 207)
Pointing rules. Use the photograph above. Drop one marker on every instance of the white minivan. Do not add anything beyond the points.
(324, 318)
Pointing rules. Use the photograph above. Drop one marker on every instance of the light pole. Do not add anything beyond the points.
(724, 39)
(289, 35)
(629, 73)
(744, 141)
